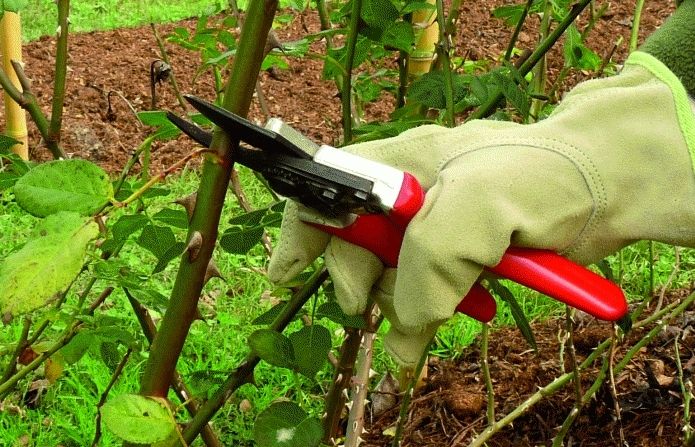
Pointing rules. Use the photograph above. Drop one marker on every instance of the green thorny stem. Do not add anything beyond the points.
(560, 382)
(485, 367)
(443, 49)
(61, 70)
(346, 93)
(202, 235)
(517, 30)
(408, 396)
(488, 107)
(244, 372)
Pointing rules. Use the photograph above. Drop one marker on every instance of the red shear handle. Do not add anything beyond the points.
(541, 270)
(562, 279)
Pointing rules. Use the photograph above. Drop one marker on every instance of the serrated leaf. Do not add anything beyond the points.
(127, 225)
(203, 382)
(310, 345)
(272, 347)
(270, 315)
(156, 239)
(78, 346)
(429, 89)
(399, 35)
(138, 419)
(8, 180)
(285, 424)
(517, 313)
(6, 143)
(172, 253)
(240, 240)
(417, 6)
(64, 185)
(47, 264)
(333, 312)
(148, 298)
(175, 218)
(378, 13)
(512, 93)
(511, 14)
(250, 219)
(109, 354)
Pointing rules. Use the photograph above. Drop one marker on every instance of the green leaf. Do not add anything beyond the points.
(78, 346)
(156, 239)
(517, 313)
(13, 5)
(511, 14)
(240, 240)
(203, 382)
(285, 424)
(109, 354)
(64, 185)
(148, 298)
(310, 345)
(172, 253)
(270, 315)
(272, 347)
(429, 89)
(399, 35)
(175, 218)
(6, 143)
(512, 93)
(154, 118)
(8, 180)
(417, 5)
(378, 13)
(47, 264)
(333, 312)
(252, 218)
(127, 225)
(577, 55)
(138, 419)
(160, 241)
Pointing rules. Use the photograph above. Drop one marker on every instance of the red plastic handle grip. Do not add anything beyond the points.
(541, 270)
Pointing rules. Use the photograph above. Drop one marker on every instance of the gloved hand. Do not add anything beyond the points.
(612, 165)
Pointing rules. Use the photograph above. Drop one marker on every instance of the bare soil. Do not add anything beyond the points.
(450, 409)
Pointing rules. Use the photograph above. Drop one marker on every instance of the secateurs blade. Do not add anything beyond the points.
(370, 204)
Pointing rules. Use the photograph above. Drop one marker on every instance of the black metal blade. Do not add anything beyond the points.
(200, 136)
(246, 131)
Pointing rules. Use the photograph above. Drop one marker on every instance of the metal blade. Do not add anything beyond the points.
(244, 130)
(200, 136)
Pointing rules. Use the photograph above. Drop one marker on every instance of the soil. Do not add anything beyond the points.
(450, 409)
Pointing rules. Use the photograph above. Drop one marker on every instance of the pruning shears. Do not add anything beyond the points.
(370, 204)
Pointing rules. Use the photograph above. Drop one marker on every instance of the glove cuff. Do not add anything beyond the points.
(683, 103)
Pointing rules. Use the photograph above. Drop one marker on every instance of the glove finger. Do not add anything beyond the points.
(406, 349)
(354, 271)
(300, 244)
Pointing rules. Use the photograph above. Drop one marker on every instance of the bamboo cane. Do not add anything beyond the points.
(11, 49)
(426, 31)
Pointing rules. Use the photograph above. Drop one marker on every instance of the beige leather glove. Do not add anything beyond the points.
(612, 165)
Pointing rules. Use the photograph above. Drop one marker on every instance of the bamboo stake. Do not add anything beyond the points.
(11, 49)
(426, 30)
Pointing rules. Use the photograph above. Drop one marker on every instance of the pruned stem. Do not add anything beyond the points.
(408, 396)
(444, 49)
(485, 367)
(19, 348)
(335, 398)
(60, 77)
(346, 93)
(360, 381)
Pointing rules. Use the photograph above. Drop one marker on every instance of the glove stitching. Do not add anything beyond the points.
(585, 166)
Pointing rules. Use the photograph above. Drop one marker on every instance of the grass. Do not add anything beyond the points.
(39, 18)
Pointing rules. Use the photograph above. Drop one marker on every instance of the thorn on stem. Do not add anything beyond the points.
(194, 245)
